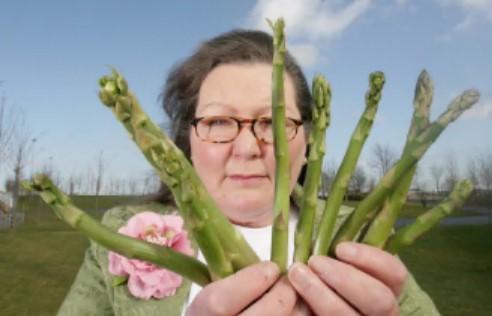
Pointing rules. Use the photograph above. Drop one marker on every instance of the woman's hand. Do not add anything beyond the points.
(364, 280)
(255, 290)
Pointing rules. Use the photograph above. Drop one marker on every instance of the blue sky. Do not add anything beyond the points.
(53, 52)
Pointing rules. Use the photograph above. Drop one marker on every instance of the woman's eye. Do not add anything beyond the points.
(266, 122)
(218, 122)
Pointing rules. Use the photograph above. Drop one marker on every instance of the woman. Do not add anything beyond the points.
(218, 102)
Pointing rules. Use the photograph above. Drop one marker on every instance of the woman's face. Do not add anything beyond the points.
(240, 175)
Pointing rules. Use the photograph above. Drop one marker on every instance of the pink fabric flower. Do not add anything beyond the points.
(146, 280)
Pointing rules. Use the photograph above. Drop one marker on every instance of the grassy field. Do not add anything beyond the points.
(412, 210)
(38, 262)
(454, 265)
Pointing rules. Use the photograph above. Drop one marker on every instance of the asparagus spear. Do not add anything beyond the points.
(344, 173)
(222, 245)
(381, 226)
(407, 235)
(415, 150)
(165, 257)
(280, 229)
(321, 120)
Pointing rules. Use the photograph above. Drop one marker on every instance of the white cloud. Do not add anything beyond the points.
(481, 111)
(308, 22)
(473, 10)
(306, 54)
(477, 6)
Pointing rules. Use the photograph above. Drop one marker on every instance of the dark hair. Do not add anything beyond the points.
(180, 94)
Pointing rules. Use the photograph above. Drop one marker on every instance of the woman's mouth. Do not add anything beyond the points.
(247, 179)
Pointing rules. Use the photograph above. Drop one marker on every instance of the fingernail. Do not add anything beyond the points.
(270, 269)
(298, 274)
(346, 250)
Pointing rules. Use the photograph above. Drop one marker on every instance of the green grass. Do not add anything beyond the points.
(39, 260)
(37, 266)
(412, 210)
(454, 265)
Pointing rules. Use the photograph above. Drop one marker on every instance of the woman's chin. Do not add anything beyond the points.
(249, 212)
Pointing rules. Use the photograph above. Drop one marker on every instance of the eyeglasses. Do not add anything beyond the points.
(224, 129)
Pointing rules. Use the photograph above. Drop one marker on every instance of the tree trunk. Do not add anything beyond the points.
(15, 195)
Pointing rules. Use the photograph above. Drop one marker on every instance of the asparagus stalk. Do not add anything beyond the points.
(63, 207)
(380, 228)
(415, 150)
(344, 173)
(222, 245)
(280, 229)
(321, 120)
(407, 235)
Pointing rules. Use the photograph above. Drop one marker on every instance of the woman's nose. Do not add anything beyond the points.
(246, 144)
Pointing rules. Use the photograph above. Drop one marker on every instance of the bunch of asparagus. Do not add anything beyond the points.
(224, 248)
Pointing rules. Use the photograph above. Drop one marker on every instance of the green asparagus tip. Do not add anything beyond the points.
(321, 91)
(424, 76)
(112, 86)
(103, 80)
(122, 84)
(376, 83)
(463, 102)
(278, 25)
(424, 91)
(376, 80)
(41, 181)
(106, 98)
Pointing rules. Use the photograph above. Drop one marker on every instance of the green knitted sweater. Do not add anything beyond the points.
(92, 292)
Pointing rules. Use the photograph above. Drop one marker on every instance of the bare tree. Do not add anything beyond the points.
(151, 183)
(73, 184)
(132, 185)
(383, 158)
(99, 176)
(437, 172)
(327, 176)
(9, 124)
(89, 181)
(472, 172)
(357, 181)
(485, 170)
(418, 186)
(371, 183)
(451, 172)
(21, 150)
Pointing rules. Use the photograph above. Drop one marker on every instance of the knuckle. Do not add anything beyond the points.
(387, 307)
(214, 305)
(401, 273)
(206, 303)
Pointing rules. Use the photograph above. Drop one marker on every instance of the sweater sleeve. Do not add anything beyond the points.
(88, 294)
(92, 292)
(413, 301)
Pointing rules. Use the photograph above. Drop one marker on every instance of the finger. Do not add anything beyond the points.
(376, 262)
(301, 309)
(320, 298)
(367, 294)
(280, 300)
(231, 295)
